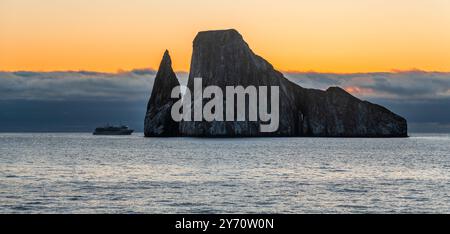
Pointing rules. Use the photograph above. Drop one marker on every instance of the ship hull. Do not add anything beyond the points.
(114, 133)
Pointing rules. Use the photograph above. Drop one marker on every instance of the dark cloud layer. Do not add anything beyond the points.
(81, 100)
(60, 86)
(410, 85)
(81, 85)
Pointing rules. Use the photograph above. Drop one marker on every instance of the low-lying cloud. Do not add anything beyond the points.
(60, 86)
(137, 84)
(78, 85)
(408, 85)
(80, 100)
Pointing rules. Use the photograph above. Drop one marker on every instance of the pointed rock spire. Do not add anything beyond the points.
(158, 121)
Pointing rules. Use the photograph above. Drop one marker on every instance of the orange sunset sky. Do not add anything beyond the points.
(341, 36)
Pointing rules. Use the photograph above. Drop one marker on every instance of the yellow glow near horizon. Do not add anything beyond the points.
(294, 35)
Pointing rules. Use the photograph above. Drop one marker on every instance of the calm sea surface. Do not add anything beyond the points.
(81, 173)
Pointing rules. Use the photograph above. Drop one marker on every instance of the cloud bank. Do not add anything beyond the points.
(60, 86)
(80, 100)
(408, 85)
(137, 84)
(77, 85)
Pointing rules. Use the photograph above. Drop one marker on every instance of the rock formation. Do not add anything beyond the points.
(223, 58)
(158, 120)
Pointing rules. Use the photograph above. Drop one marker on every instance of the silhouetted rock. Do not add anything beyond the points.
(158, 120)
(222, 58)
(336, 113)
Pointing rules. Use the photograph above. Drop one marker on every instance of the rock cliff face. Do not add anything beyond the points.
(223, 58)
(336, 113)
(158, 120)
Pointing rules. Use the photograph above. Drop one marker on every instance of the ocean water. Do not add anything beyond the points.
(81, 173)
